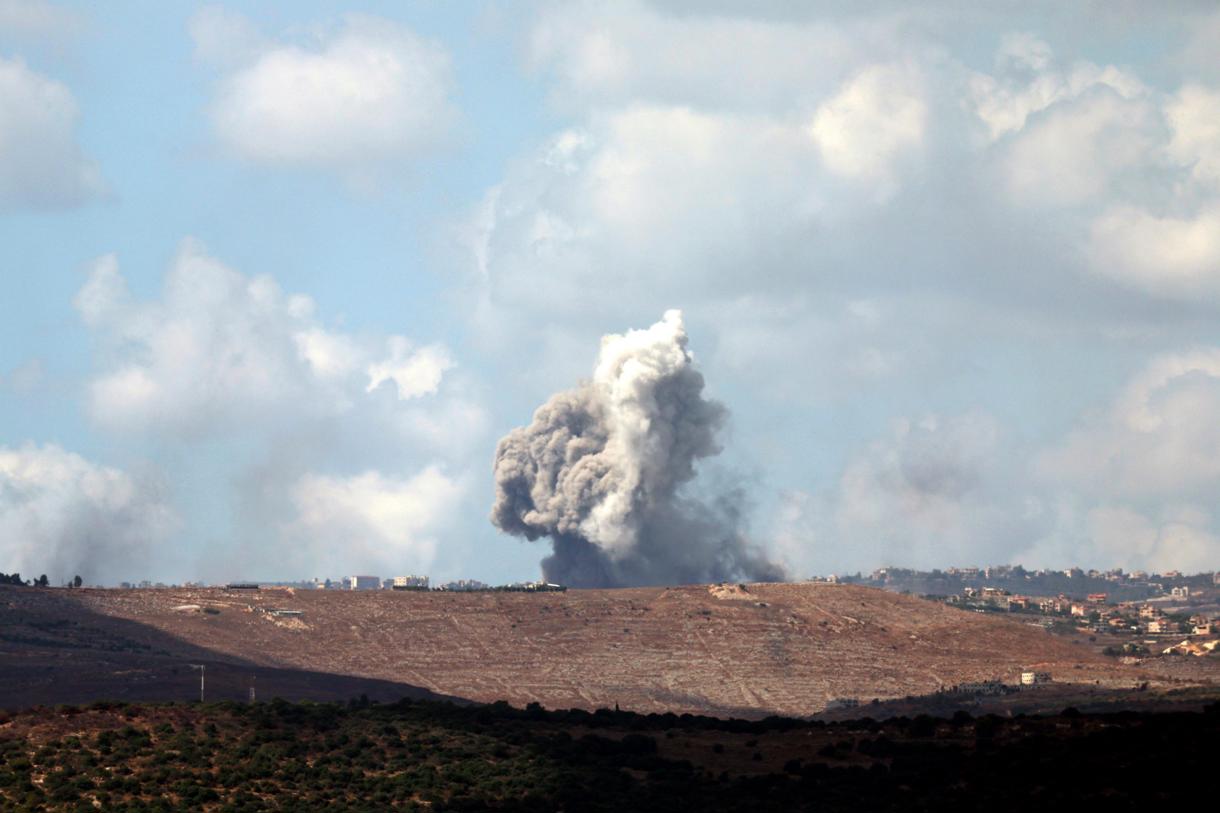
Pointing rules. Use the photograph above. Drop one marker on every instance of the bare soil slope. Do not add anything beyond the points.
(771, 648)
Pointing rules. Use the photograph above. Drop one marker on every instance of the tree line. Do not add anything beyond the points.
(42, 581)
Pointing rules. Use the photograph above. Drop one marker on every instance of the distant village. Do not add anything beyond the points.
(421, 583)
(1139, 614)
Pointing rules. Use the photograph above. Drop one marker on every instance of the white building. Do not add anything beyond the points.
(410, 582)
(363, 582)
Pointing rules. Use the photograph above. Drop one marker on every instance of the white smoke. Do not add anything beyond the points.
(63, 515)
(600, 468)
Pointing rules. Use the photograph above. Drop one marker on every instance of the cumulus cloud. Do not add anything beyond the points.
(648, 201)
(876, 116)
(221, 349)
(1028, 79)
(1134, 170)
(1177, 538)
(933, 491)
(1157, 439)
(367, 94)
(339, 446)
(1167, 256)
(42, 165)
(1073, 153)
(1131, 486)
(384, 523)
(414, 372)
(63, 515)
(1194, 118)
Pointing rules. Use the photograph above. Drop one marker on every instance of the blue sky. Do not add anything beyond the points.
(952, 271)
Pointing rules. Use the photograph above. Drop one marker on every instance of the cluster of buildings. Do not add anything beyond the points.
(1133, 628)
(395, 583)
(1074, 581)
(423, 583)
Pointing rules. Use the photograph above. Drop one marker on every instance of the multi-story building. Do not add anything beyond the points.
(363, 582)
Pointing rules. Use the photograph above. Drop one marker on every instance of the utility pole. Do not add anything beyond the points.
(202, 671)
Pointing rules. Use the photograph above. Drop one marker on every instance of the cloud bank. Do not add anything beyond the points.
(315, 447)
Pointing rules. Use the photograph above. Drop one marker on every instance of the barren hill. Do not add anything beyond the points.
(768, 648)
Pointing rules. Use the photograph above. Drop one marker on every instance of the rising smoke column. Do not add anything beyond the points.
(600, 467)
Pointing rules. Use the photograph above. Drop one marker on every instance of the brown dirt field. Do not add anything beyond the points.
(780, 649)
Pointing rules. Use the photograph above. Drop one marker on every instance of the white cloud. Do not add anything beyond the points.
(1194, 118)
(1074, 152)
(1159, 438)
(256, 393)
(649, 201)
(220, 350)
(63, 515)
(369, 94)
(1166, 256)
(1142, 474)
(41, 164)
(1131, 487)
(1067, 133)
(874, 118)
(415, 372)
(370, 521)
(1029, 81)
(1181, 540)
(939, 490)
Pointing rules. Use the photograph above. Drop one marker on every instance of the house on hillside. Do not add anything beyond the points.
(1033, 678)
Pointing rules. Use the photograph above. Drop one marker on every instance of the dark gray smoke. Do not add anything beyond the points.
(600, 468)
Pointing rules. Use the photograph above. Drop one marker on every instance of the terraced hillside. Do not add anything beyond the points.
(770, 648)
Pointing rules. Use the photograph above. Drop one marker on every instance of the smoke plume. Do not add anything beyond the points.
(600, 470)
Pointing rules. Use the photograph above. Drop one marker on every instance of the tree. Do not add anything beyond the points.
(42, 581)
(76, 582)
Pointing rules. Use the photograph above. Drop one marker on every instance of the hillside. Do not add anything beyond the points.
(430, 756)
(770, 648)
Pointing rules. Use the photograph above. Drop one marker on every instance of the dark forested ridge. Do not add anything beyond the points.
(426, 755)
